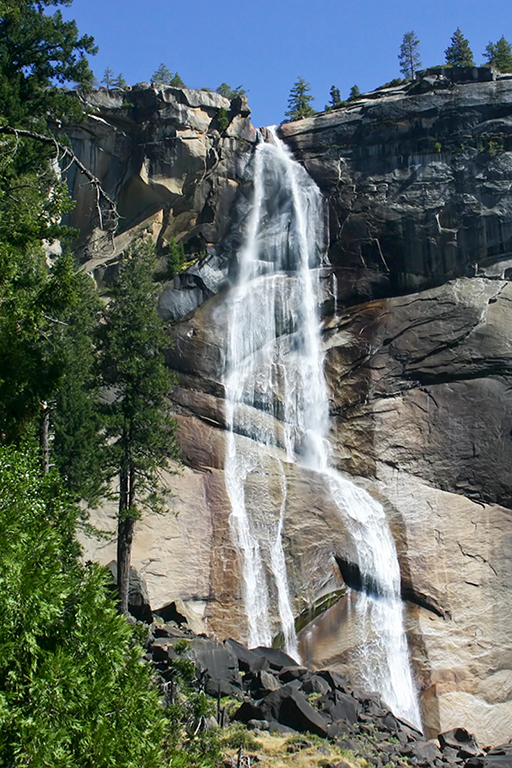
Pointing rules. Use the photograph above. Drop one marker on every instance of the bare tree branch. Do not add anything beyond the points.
(63, 151)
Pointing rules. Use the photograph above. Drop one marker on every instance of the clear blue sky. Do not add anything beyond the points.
(265, 45)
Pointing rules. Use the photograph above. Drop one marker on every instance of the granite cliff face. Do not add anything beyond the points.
(418, 311)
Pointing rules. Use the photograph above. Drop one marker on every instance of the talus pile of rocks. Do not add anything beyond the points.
(278, 695)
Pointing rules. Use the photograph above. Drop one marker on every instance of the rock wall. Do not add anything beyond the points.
(418, 311)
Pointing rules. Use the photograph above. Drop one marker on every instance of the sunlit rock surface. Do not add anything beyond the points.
(417, 334)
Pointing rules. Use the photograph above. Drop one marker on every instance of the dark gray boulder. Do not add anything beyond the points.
(288, 707)
(216, 665)
(461, 740)
(341, 706)
(248, 661)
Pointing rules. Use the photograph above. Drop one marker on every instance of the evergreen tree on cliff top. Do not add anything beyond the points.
(299, 101)
(409, 56)
(499, 55)
(459, 54)
(140, 431)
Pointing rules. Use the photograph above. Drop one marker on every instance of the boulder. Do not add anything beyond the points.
(461, 740)
(276, 658)
(248, 661)
(216, 663)
(289, 708)
(341, 706)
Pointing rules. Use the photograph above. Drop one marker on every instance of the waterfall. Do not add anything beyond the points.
(277, 413)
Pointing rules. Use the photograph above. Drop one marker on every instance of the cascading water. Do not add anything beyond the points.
(277, 412)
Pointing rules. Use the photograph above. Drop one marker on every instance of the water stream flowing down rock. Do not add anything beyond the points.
(277, 412)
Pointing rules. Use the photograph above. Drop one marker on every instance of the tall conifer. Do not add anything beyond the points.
(459, 54)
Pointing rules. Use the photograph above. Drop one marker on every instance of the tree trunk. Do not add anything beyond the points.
(125, 525)
(44, 437)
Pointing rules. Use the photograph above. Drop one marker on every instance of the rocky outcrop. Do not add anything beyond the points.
(418, 185)
(174, 160)
(417, 316)
(282, 697)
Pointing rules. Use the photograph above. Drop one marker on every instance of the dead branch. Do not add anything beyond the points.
(63, 151)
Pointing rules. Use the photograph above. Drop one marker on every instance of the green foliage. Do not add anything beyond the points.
(177, 82)
(175, 257)
(39, 296)
(139, 430)
(222, 119)
(132, 341)
(499, 55)
(78, 448)
(392, 83)
(230, 93)
(355, 93)
(335, 97)
(438, 146)
(409, 56)
(459, 54)
(39, 53)
(238, 737)
(190, 742)
(164, 76)
(299, 101)
(110, 80)
(73, 693)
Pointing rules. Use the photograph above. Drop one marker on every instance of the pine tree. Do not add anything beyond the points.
(499, 55)
(176, 81)
(75, 420)
(140, 431)
(38, 53)
(109, 79)
(299, 101)
(162, 76)
(335, 96)
(459, 54)
(230, 93)
(355, 93)
(120, 82)
(409, 57)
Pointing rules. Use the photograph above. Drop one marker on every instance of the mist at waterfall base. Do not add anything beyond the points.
(277, 412)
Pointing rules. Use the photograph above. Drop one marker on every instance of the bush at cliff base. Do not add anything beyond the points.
(73, 690)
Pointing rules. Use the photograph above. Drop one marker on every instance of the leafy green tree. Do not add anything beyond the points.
(139, 428)
(354, 94)
(73, 692)
(499, 55)
(459, 54)
(38, 53)
(299, 101)
(230, 93)
(409, 56)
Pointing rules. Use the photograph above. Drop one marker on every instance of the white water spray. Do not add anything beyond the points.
(276, 398)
